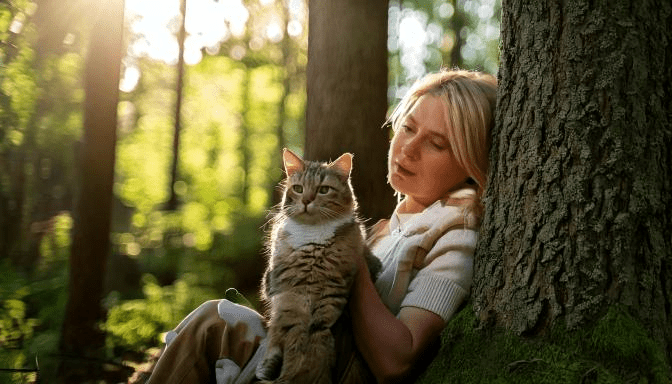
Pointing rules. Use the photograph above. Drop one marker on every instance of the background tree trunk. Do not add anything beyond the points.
(347, 94)
(457, 22)
(578, 209)
(81, 337)
(172, 203)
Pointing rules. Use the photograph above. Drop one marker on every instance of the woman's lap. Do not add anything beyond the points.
(197, 350)
(222, 342)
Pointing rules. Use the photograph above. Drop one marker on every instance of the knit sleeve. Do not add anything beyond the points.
(444, 281)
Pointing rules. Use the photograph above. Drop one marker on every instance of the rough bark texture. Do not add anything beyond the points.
(81, 337)
(578, 209)
(347, 94)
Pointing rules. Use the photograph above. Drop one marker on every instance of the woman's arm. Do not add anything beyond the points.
(389, 345)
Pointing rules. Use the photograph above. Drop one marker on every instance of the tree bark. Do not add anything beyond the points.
(347, 94)
(578, 207)
(172, 203)
(457, 22)
(81, 337)
(245, 127)
(288, 63)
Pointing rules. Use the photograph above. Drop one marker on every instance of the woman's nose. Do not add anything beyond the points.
(410, 148)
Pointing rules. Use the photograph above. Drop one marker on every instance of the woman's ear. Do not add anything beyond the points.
(292, 162)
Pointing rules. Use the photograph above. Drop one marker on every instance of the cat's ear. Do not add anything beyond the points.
(343, 164)
(292, 162)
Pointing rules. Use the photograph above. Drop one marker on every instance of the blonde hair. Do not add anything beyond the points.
(469, 100)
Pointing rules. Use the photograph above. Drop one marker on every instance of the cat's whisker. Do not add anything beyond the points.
(329, 213)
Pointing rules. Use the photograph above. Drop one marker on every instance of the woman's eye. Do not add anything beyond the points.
(297, 188)
(438, 146)
(407, 128)
(323, 190)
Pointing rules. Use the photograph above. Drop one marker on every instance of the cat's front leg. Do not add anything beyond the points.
(269, 367)
(374, 264)
(289, 315)
(327, 312)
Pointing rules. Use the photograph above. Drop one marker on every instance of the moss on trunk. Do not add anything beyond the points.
(615, 349)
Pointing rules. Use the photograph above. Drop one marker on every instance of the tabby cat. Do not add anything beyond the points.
(314, 240)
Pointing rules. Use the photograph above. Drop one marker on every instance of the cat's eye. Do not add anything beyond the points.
(323, 190)
(297, 188)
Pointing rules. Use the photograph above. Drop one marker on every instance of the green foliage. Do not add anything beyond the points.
(137, 324)
(210, 158)
(195, 252)
(31, 308)
(440, 26)
(615, 350)
(18, 91)
(18, 82)
(55, 245)
(16, 327)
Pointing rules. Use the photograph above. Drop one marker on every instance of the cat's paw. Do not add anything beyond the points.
(269, 368)
(374, 264)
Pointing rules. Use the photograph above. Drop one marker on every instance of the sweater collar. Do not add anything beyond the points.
(397, 225)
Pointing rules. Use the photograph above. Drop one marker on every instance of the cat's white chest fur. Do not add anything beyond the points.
(299, 234)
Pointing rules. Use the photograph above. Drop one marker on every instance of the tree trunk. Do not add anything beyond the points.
(578, 209)
(171, 205)
(347, 94)
(81, 337)
(289, 65)
(244, 143)
(457, 22)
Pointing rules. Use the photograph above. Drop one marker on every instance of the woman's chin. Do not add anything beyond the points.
(399, 182)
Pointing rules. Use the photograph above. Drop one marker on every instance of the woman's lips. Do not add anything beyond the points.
(403, 171)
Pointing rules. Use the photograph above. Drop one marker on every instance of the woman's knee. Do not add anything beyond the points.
(203, 320)
(208, 314)
(235, 314)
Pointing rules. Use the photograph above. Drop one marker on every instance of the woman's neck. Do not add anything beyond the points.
(411, 205)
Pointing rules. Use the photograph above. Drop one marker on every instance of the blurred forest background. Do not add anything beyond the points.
(233, 86)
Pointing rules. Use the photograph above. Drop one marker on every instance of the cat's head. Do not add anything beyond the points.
(317, 192)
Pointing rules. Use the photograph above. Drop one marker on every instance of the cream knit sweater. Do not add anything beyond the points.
(428, 257)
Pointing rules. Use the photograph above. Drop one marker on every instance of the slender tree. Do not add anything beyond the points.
(244, 144)
(347, 94)
(457, 22)
(179, 91)
(82, 337)
(579, 204)
(289, 66)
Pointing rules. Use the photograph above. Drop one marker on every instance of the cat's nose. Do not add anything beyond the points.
(307, 198)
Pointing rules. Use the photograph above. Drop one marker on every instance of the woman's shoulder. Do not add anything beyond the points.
(377, 231)
(462, 208)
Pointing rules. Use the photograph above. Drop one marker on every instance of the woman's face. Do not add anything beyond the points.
(421, 164)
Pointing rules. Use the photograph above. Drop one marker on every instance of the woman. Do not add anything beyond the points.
(437, 163)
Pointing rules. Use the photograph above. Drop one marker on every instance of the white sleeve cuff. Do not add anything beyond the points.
(435, 293)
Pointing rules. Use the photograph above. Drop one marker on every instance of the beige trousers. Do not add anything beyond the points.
(222, 342)
(205, 342)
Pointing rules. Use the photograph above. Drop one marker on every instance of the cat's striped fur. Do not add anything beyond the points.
(314, 240)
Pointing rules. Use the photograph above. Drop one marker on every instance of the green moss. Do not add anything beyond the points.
(616, 350)
(618, 338)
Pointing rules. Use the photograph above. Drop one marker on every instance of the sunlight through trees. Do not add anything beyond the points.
(244, 99)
